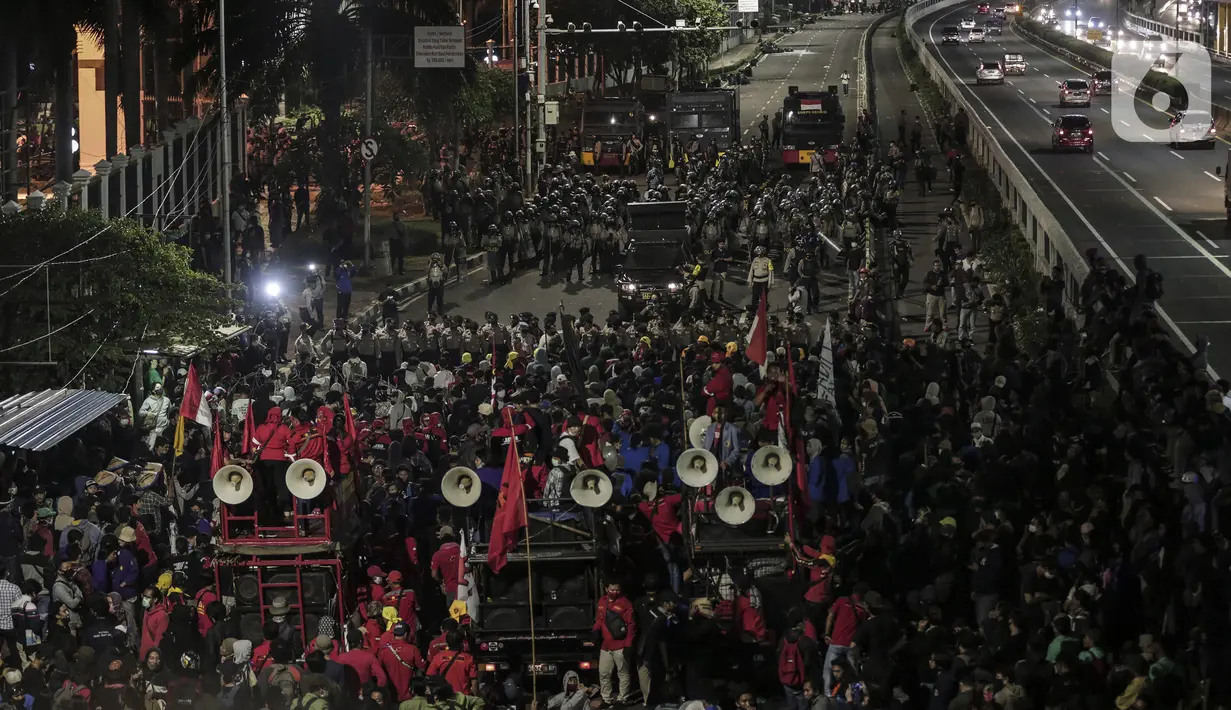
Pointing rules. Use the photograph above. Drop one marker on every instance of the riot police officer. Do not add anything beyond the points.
(493, 245)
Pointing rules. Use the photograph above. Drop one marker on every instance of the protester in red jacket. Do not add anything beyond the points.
(361, 660)
(155, 622)
(271, 438)
(718, 389)
(615, 625)
(403, 600)
(456, 666)
(401, 661)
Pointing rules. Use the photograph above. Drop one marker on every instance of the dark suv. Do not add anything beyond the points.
(1073, 131)
(653, 272)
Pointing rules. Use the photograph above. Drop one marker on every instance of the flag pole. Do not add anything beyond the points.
(683, 396)
(525, 511)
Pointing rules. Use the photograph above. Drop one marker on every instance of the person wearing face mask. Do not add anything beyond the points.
(154, 621)
(718, 389)
(616, 628)
(558, 479)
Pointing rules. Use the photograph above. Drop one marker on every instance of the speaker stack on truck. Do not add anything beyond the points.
(286, 567)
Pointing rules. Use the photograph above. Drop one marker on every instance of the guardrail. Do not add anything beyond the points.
(1051, 245)
(1153, 28)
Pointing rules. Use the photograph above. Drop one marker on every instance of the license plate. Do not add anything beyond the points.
(805, 156)
(649, 296)
(544, 669)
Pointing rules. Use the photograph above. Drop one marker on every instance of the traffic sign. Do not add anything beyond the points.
(369, 149)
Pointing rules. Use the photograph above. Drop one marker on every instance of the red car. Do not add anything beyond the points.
(984, 8)
(1073, 131)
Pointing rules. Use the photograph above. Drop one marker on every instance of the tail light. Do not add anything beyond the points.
(585, 665)
(1089, 131)
(489, 667)
(1061, 131)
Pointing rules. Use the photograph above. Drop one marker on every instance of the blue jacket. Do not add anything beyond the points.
(344, 285)
(729, 444)
(126, 575)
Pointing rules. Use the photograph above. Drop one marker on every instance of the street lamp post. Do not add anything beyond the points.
(226, 142)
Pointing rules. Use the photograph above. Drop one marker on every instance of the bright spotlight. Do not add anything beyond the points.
(273, 289)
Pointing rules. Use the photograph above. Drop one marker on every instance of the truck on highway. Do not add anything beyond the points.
(812, 121)
(709, 117)
(605, 125)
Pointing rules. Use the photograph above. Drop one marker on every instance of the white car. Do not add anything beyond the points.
(976, 35)
(967, 23)
(1074, 92)
(1193, 128)
(989, 73)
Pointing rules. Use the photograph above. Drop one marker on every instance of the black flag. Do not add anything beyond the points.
(572, 352)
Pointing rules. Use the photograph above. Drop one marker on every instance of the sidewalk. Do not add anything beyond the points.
(916, 215)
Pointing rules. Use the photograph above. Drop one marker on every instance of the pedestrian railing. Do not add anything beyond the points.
(159, 184)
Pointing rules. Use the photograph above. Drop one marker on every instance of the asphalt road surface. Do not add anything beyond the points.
(1130, 197)
(819, 55)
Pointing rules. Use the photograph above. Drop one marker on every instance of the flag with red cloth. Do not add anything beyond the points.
(510, 511)
(217, 457)
(758, 335)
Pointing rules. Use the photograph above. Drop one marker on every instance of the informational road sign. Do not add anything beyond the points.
(369, 149)
(748, 6)
(440, 47)
(1094, 35)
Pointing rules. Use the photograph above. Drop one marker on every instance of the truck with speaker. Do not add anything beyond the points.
(533, 618)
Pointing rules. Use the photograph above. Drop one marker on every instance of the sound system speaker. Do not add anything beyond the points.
(317, 588)
(754, 529)
(564, 588)
(510, 618)
(508, 587)
(561, 618)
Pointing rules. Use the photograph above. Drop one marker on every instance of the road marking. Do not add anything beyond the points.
(1164, 204)
(1021, 92)
(1104, 157)
(1148, 137)
(1105, 111)
(1047, 112)
(1033, 101)
(1124, 122)
(1176, 154)
(1130, 177)
(1212, 175)
(1209, 241)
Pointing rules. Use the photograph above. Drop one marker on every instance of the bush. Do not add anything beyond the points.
(1154, 81)
(1009, 261)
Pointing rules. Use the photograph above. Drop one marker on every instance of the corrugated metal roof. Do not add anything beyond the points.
(39, 420)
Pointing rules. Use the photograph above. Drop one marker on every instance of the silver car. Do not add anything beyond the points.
(1074, 92)
(989, 73)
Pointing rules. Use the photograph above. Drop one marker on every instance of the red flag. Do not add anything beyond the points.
(758, 335)
(249, 432)
(195, 407)
(510, 511)
(790, 390)
(352, 432)
(217, 457)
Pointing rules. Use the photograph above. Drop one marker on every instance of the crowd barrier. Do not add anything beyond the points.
(1051, 246)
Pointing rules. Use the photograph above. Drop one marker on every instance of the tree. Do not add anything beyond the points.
(112, 289)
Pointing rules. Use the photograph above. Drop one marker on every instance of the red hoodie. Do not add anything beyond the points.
(153, 625)
(621, 607)
(273, 435)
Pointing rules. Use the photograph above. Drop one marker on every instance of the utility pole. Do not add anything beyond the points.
(540, 143)
(515, 41)
(528, 168)
(367, 164)
(227, 249)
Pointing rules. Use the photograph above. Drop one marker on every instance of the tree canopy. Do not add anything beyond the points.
(111, 289)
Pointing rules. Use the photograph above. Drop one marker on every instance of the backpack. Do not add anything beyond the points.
(616, 626)
(63, 697)
(791, 671)
(284, 677)
(435, 274)
(1154, 286)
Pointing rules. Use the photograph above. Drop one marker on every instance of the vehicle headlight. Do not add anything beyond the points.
(673, 286)
(630, 287)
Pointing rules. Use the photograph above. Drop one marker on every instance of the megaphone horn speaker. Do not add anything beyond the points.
(735, 505)
(592, 488)
(697, 468)
(696, 431)
(771, 465)
(460, 487)
(306, 479)
(233, 484)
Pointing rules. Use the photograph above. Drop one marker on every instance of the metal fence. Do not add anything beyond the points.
(161, 184)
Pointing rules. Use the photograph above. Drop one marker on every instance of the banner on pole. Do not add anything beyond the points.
(440, 47)
(748, 6)
(825, 379)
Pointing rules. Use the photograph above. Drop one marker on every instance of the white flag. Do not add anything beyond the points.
(825, 380)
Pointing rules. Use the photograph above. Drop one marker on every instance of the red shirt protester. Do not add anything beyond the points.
(401, 661)
(619, 606)
(365, 665)
(720, 386)
(458, 668)
(845, 616)
(403, 600)
(663, 513)
(445, 565)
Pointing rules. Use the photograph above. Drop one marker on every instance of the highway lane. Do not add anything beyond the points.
(814, 62)
(819, 54)
(1128, 198)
